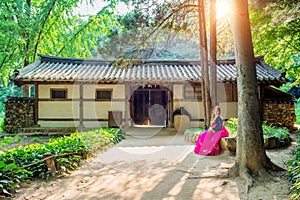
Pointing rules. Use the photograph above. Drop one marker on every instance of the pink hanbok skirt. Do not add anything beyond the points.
(208, 142)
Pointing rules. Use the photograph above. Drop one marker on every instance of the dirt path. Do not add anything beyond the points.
(161, 167)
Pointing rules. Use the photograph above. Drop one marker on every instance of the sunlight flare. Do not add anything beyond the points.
(222, 8)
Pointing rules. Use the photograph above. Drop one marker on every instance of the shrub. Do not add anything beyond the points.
(297, 112)
(294, 172)
(268, 130)
(194, 132)
(2, 122)
(10, 140)
(232, 126)
(272, 131)
(67, 151)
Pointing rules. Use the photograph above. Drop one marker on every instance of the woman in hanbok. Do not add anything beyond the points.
(208, 142)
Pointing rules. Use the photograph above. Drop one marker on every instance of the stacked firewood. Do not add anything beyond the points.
(280, 113)
(19, 113)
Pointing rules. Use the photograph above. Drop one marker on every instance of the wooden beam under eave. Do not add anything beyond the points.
(36, 103)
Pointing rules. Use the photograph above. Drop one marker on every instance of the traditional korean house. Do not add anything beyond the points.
(73, 92)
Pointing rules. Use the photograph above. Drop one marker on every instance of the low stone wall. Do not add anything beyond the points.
(280, 113)
(19, 113)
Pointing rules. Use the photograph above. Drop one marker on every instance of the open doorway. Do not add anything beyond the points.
(149, 106)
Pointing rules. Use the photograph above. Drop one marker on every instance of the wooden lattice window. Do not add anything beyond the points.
(103, 95)
(59, 93)
(193, 91)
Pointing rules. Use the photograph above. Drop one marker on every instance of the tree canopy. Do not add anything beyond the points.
(275, 26)
(29, 28)
(276, 34)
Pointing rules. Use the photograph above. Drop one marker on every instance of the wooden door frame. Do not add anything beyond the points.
(135, 88)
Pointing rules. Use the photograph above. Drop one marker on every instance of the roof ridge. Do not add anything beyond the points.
(48, 58)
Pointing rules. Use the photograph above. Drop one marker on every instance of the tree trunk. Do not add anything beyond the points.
(213, 55)
(250, 155)
(204, 64)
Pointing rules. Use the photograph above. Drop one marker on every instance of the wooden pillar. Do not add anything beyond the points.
(36, 103)
(171, 105)
(127, 106)
(81, 105)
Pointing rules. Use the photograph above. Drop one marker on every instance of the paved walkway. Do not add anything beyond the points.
(150, 164)
(154, 146)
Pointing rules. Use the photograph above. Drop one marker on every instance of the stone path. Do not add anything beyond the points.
(152, 166)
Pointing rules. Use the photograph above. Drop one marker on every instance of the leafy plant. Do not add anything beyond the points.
(232, 126)
(294, 172)
(10, 140)
(297, 111)
(35, 139)
(26, 162)
(268, 130)
(272, 131)
(193, 131)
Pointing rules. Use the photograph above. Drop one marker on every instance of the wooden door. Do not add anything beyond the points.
(149, 107)
(141, 107)
(158, 103)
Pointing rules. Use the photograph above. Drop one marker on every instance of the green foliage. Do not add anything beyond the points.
(268, 130)
(68, 152)
(272, 131)
(28, 28)
(10, 140)
(294, 172)
(193, 131)
(35, 139)
(232, 126)
(276, 35)
(297, 112)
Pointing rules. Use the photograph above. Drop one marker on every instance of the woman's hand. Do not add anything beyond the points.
(210, 129)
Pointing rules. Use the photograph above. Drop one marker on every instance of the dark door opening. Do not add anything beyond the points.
(149, 107)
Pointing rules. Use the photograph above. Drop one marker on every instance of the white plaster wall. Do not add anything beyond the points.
(193, 107)
(119, 91)
(98, 109)
(178, 91)
(58, 109)
(73, 90)
(229, 109)
(89, 91)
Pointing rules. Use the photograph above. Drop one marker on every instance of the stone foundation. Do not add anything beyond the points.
(19, 113)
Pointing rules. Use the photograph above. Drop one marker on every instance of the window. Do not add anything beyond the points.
(59, 93)
(103, 95)
(193, 92)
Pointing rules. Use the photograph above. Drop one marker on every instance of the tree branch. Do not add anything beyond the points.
(41, 30)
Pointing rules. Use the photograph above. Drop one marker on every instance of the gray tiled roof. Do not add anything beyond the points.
(49, 68)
